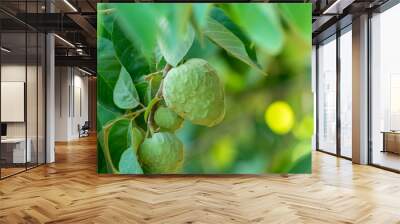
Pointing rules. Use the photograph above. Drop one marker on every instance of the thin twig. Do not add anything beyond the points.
(106, 11)
(125, 116)
(166, 69)
(158, 95)
(149, 76)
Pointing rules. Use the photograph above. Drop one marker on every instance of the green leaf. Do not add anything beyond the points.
(137, 137)
(202, 48)
(108, 66)
(302, 165)
(139, 23)
(132, 59)
(180, 18)
(220, 16)
(229, 41)
(261, 23)
(105, 114)
(294, 160)
(174, 46)
(200, 12)
(119, 139)
(122, 133)
(102, 166)
(158, 60)
(128, 163)
(150, 106)
(105, 20)
(104, 98)
(299, 18)
(142, 89)
(154, 85)
(108, 69)
(125, 94)
(101, 162)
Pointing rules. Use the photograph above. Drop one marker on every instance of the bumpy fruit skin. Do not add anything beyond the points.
(194, 91)
(162, 153)
(167, 119)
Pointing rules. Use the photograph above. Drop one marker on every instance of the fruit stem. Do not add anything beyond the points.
(166, 69)
(149, 76)
(150, 126)
(158, 97)
(165, 72)
(107, 11)
(131, 115)
(107, 150)
(107, 128)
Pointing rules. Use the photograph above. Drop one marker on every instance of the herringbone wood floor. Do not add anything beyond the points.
(70, 191)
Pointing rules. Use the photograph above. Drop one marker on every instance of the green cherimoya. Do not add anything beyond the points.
(194, 91)
(162, 153)
(167, 119)
(137, 137)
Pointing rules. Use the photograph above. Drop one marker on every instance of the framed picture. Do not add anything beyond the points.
(204, 88)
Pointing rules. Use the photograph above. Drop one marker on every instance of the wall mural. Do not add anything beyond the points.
(202, 88)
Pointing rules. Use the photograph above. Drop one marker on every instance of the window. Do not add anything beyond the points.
(385, 89)
(22, 77)
(346, 92)
(327, 95)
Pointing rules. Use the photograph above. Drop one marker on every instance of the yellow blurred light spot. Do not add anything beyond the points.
(223, 153)
(279, 117)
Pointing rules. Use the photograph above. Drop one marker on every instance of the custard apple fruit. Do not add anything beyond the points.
(194, 91)
(137, 137)
(167, 119)
(162, 153)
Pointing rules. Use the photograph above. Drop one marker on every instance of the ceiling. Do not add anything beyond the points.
(74, 22)
(331, 15)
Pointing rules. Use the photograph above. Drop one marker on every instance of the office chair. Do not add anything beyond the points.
(84, 130)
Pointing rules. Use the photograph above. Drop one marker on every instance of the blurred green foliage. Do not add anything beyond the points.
(262, 55)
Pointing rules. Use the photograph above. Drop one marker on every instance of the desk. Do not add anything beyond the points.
(391, 141)
(15, 148)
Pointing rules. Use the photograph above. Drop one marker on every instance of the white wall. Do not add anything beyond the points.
(70, 83)
(12, 73)
(80, 85)
(62, 81)
(13, 101)
(16, 73)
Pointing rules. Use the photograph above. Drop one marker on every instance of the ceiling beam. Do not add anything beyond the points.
(49, 22)
(83, 23)
(80, 61)
(337, 7)
(320, 23)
